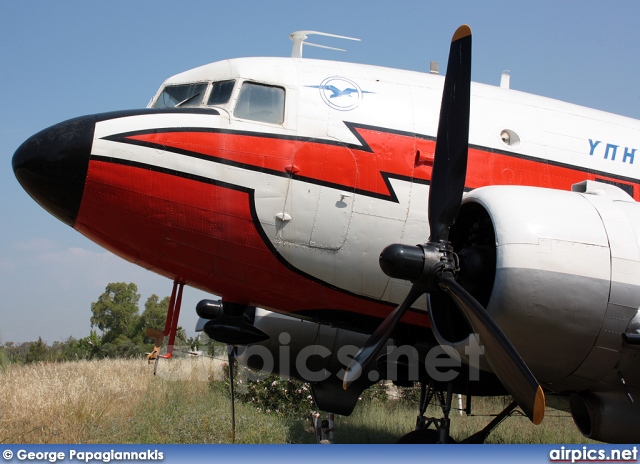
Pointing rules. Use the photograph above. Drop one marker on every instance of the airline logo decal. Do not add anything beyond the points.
(340, 93)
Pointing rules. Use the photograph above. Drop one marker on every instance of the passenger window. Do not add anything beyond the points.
(181, 96)
(220, 92)
(260, 102)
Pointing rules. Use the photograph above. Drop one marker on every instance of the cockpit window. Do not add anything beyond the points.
(220, 92)
(260, 102)
(181, 96)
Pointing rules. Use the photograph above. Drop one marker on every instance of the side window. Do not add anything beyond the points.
(220, 92)
(184, 96)
(260, 102)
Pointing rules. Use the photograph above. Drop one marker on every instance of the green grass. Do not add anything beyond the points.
(378, 422)
(181, 413)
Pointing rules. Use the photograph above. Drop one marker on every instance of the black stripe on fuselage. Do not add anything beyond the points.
(386, 177)
(364, 146)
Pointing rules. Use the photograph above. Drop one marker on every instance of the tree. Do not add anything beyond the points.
(123, 328)
(84, 348)
(155, 316)
(4, 359)
(116, 311)
(155, 313)
(121, 347)
(17, 353)
(38, 352)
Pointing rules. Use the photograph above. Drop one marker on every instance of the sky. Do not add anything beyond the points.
(71, 58)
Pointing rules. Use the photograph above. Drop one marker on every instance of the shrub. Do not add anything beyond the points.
(270, 394)
(376, 393)
(286, 397)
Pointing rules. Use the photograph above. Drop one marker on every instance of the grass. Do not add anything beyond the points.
(386, 422)
(121, 401)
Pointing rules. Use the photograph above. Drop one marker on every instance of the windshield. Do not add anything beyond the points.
(220, 92)
(176, 96)
(260, 102)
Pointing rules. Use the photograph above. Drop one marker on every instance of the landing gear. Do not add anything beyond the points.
(479, 438)
(423, 434)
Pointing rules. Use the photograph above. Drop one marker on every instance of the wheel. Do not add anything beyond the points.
(423, 437)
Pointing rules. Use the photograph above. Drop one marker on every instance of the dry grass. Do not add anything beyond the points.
(60, 403)
(120, 401)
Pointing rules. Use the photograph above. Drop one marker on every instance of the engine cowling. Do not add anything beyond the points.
(558, 272)
(308, 351)
(606, 416)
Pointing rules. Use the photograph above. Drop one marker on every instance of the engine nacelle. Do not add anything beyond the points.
(608, 416)
(559, 273)
(308, 351)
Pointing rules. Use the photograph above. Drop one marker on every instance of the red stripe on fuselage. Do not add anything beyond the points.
(324, 162)
(384, 154)
(204, 234)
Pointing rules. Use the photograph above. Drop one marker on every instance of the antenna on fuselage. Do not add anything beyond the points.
(299, 38)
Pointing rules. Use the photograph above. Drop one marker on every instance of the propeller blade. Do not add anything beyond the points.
(433, 265)
(447, 182)
(230, 357)
(501, 355)
(450, 159)
(378, 339)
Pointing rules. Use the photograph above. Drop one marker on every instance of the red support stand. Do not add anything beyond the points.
(170, 327)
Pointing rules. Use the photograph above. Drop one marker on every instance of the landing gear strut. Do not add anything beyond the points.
(440, 432)
(424, 434)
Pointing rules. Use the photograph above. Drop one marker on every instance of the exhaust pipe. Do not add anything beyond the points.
(608, 416)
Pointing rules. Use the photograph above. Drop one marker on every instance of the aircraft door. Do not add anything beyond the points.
(319, 202)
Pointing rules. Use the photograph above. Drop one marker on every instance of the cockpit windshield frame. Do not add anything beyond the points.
(220, 92)
(181, 95)
(250, 100)
(261, 102)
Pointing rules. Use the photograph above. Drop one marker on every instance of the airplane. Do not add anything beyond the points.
(301, 208)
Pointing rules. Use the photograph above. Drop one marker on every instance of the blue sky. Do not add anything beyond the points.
(70, 58)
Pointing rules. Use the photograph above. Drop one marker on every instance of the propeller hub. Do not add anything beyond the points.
(419, 263)
(404, 262)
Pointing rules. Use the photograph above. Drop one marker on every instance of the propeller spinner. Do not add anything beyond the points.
(433, 266)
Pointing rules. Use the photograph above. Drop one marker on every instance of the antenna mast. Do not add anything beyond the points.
(299, 38)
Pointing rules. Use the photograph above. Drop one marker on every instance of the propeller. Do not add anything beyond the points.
(432, 266)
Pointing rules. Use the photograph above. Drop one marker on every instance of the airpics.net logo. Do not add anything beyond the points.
(586, 454)
(317, 363)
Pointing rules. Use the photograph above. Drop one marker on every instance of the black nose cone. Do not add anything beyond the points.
(52, 166)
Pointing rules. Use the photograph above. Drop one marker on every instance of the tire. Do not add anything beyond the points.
(423, 437)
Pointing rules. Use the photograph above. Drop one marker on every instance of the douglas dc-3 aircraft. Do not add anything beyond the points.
(303, 186)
